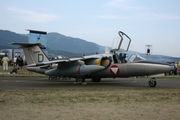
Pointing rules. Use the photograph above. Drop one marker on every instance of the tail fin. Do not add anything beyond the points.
(33, 52)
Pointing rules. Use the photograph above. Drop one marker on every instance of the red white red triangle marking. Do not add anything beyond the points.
(114, 70)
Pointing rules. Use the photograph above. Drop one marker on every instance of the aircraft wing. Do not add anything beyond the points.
(91, 57)
(68, 60)
(63, 60)
(73, 59)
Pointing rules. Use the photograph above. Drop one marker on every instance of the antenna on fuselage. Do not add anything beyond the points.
(148, 49)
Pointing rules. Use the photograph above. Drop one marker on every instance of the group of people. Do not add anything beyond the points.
(18, 64)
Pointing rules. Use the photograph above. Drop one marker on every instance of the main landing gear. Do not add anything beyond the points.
(152, 82)
(81, 80)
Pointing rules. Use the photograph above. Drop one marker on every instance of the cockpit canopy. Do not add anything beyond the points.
(135, 57)
(121, 43)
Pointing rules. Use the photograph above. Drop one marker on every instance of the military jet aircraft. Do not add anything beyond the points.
(107, 65)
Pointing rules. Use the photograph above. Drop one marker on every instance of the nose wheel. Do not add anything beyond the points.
(152, 82)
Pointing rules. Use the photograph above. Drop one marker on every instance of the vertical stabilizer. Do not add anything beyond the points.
(33, 52)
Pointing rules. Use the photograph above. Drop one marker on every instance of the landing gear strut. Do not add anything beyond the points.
(152, 82)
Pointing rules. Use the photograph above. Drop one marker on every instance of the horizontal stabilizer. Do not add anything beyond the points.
(25, 44)
(22, 45)
(33, 52)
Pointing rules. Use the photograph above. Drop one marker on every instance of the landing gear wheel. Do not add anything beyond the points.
(152, 82)
(96, 79)
(80, 80)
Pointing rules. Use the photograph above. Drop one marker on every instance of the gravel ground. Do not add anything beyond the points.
(90, 104)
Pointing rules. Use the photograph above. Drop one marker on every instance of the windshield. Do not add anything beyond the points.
(135, 57)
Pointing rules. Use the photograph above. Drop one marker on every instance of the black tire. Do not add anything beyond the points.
(152, 82)
(80, 79)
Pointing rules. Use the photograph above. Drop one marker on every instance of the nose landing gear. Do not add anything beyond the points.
(152, 82)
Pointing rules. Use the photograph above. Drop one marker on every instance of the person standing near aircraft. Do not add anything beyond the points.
(21, 64)
(14, 60)
(178, 66)
(17, 61)
(5, 61)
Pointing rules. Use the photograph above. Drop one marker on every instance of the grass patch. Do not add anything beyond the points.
(85, 104)
(26, 73)
(90, 96)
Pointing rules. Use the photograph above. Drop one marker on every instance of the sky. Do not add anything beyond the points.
(146, 22)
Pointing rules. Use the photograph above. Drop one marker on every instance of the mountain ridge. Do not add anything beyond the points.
(59, 44)
(55, 42)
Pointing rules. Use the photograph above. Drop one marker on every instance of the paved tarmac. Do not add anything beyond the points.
(44, 83)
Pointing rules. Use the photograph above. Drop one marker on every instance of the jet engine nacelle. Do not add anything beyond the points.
(104, 61)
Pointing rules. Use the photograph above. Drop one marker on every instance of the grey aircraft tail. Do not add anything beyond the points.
(33, 52)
